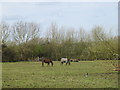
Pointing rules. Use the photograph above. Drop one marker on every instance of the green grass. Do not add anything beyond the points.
(33, 75)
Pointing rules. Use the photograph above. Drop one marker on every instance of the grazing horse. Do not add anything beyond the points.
(65, 60)
(74, 60)
(47, 60)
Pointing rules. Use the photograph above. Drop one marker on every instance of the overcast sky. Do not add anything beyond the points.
(74, 14)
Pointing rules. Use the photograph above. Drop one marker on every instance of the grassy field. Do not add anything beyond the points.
(33, 75)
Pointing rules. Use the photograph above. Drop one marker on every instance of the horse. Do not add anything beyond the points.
(65, 60)
(74, 60)
(47, 60)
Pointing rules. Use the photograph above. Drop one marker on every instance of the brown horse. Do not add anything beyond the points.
(47, 60)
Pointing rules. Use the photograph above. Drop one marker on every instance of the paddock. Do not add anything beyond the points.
(33, 75)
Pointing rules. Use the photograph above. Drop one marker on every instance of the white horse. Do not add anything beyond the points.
(65, 60)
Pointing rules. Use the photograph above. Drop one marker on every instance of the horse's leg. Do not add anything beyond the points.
(51, 63)
(61, 63)
(42, 63)
(66, 63)
(48, 63)
(69, 63)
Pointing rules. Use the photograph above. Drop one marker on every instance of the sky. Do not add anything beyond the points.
(68, 14)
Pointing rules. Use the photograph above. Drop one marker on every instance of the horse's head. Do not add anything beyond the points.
(59, 59)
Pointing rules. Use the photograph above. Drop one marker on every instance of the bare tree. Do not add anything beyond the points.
(4, 32)
(24, 31)
(82, 35)
(100, 36)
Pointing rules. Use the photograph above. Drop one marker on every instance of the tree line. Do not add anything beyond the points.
(23, 41)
